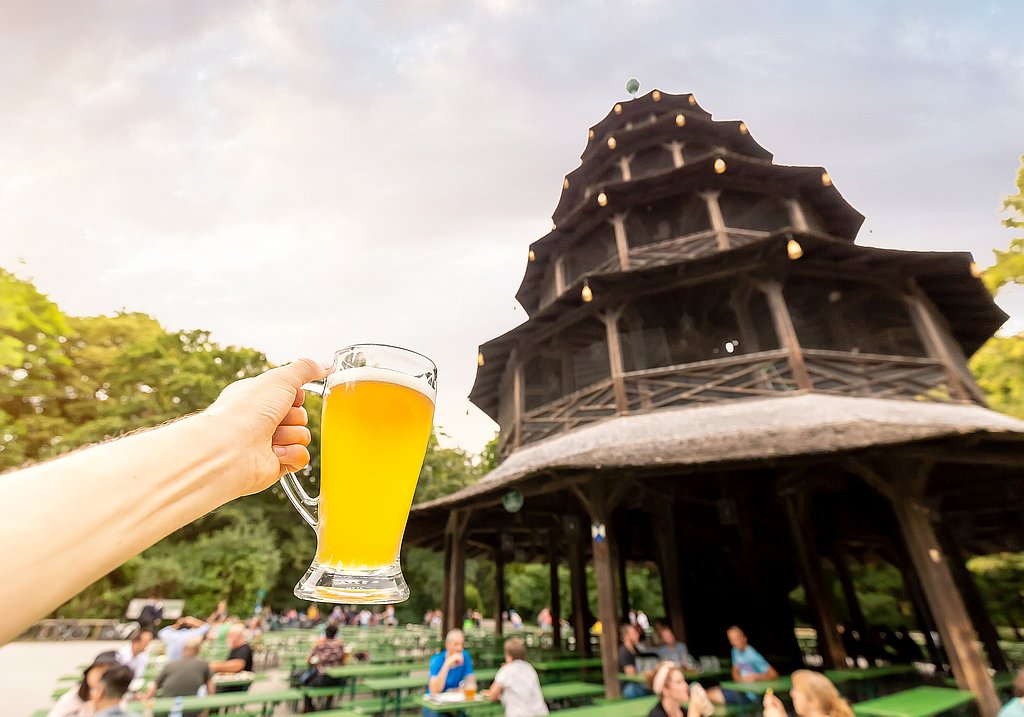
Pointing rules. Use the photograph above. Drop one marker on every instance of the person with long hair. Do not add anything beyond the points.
(669, 684)
(813, 695)
(77, 702)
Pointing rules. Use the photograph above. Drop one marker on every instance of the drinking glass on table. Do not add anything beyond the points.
(469, 688)
(378, 410)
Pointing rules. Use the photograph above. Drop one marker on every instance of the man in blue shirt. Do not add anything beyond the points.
(748, 665)
(175, 636)
(450, 668)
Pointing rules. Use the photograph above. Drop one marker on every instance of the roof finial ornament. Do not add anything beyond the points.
(633, 86)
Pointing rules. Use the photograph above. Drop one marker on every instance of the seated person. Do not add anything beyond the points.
(111, 689)
(239, 658)
(328, 652)
(517, 684)
(630, 636)
(674, 651)
(449, 668)
(813, 695)
(76, 700)
(747, 666)
(184, 677)
(1015, 707)
(668, 683)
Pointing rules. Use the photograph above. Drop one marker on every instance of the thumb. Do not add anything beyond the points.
(296, 373)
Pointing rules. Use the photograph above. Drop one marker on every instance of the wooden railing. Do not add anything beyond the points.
(847, 374)
(587, 405)
(766, 373)
(759, 374)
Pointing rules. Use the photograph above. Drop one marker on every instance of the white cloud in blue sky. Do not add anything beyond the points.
(294, 176)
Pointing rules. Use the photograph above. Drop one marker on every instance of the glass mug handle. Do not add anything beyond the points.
(302, 501)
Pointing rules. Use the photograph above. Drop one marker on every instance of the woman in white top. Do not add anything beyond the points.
(76, 701)
(517, 684)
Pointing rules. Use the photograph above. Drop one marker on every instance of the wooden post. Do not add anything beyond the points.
(456, 577)
(819, 597)
(787, 333)
(599, 506)
(517, 404)
(664, 526)
(578, 584)
(499, 586)
(904, 485)
(611, 326)
(556, 597)
(624, 168)
(973, 601)
(934, 343)
(912, 584)
(796, 215)
(717, 220)
(559, 275)
(619, 563)
(857, 620)
(954, 625)
(621, 241)
(447, 587)
(676, 148)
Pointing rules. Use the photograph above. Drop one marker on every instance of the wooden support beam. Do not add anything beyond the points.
(931, 337)
(717, 220)
(841, 560)
(954, 625)
(796, 215)
(499, 585)
(604, 571)
(455, 604)
(578, 583)
(973, 600)
(618, 223)
(559, 275)
(819, 597)
(517, 403)
(611, 326)
(664, 526)
(556, 596)
(621, 582)
(786, 332)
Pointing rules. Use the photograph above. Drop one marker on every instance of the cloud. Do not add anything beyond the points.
(294, 176)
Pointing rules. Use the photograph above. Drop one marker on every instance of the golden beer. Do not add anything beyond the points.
(376, 424)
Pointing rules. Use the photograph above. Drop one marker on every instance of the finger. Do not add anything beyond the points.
(295, 417)
(287, 435)
(292, 458)
(296, 373)
(300, 396)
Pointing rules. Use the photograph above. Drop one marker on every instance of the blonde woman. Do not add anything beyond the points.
(813, 695)
(669, 684)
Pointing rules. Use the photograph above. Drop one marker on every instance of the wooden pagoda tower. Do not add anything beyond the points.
(716, 378)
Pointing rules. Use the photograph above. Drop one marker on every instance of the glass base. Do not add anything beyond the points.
(380, 586)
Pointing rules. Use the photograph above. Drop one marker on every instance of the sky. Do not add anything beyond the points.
(300, 176)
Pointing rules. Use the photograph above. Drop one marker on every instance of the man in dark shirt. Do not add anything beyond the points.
(630, 636)
(239, 658)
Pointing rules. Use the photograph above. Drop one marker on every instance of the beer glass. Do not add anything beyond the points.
(378, 409)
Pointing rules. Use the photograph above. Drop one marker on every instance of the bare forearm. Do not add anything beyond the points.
(69, 521)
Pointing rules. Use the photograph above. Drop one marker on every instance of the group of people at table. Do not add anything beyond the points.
(516, 684)
(115, 676)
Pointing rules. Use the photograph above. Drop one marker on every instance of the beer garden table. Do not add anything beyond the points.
(268, 700)
(362, 670)
(561, 691)
(391, 689)
(916, 702)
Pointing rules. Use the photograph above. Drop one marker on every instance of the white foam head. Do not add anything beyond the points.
(381, 375)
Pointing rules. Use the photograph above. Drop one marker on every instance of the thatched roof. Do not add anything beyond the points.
(736, 432)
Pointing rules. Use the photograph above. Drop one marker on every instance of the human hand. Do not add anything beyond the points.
(262, 419)
(453, 659)
(773, 706)
(748, 678)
